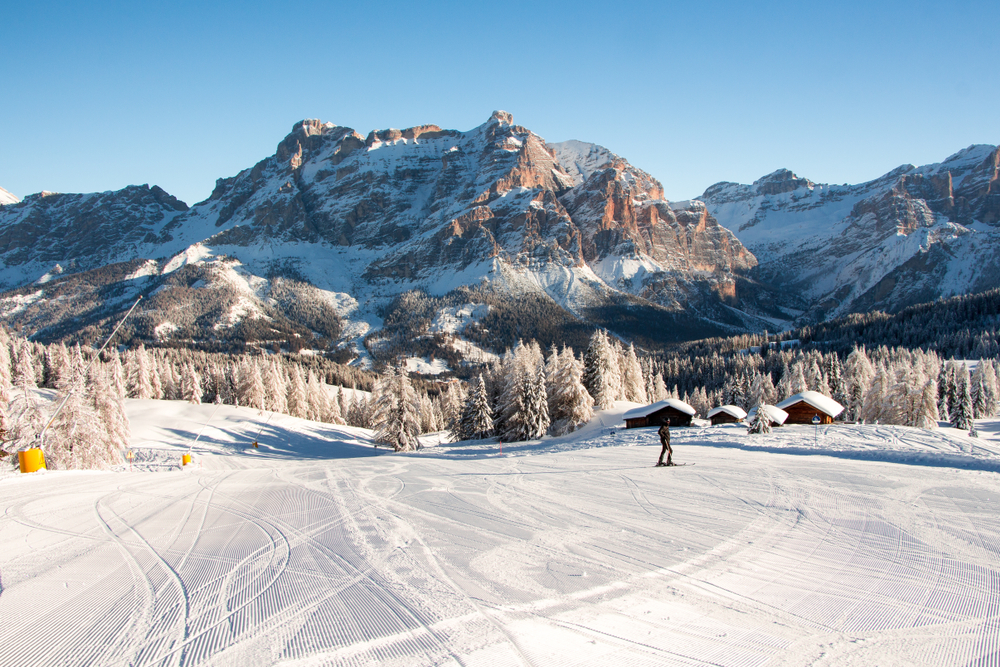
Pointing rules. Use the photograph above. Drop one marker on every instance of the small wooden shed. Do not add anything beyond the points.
(775, 415)
(726, 414)
(806, 405)
(671, 411)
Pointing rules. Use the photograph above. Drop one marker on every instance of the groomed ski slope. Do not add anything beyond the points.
(317, 549)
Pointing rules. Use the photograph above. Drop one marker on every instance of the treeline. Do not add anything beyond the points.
(91, 431)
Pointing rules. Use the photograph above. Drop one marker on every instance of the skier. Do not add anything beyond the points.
(664, 433)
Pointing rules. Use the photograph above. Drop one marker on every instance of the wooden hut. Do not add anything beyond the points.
(671, 411)
(726, 414)
(776, 415)
(805, 406)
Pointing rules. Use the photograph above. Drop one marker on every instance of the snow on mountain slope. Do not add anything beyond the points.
(912, 235)
(365, 219)
(317, 548)
(7, 198)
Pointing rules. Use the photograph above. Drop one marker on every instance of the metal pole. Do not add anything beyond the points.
(191, 446)
(41, 436)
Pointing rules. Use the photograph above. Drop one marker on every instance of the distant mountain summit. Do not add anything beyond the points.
(7, 198)
(319, 244)
(910, 236)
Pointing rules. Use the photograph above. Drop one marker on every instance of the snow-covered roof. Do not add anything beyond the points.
(646, 410)
(815, 399)
(776, 414)
(734, 410)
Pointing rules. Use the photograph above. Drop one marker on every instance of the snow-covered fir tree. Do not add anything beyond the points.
(761, 423)
(190, 385)
(298, 403)
(570, 404)
(476, 422)
(397, 420)
(600, 373)
(961, 406)
(275, 388)
(137, 368)
(633, 385)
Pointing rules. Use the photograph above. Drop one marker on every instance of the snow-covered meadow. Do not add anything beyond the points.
(837, 545)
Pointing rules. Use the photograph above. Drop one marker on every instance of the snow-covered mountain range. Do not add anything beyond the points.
(321, 239)
(910, 236)
(455, 244)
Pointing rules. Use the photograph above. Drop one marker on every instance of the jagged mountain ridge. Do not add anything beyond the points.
(7, 198)
(360, 220)
(911, 236)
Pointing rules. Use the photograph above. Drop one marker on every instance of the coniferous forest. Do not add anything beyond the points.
(901, 369)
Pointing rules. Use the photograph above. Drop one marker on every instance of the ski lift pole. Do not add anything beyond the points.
(261, 429)
(197, 437)
(41, 436)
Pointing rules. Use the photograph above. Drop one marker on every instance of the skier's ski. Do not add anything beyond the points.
(672, 465)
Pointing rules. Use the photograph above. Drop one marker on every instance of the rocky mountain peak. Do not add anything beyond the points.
(501, 118)
(781, 181)
(7, 198)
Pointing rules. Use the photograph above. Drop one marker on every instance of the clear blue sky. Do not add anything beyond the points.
(99, 95)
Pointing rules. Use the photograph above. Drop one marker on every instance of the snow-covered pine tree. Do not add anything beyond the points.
(154, 376)
(477, 415)
(116, 375)
(661, 392)
(530, 419)
(833, 372)
(598, 374)
(572, 406)
(25, 414)
(761, 424)
(172, 389)
(137, 367)
(992, 390)
(519, 409)
(316, 397)
(955, 371)
(110, 408)
(275, 390)
(335, 416)
(396, 417)
(251, 385)
(57, 367)
(961, 409)
(190, 385)
(345, 404)
(5, 384)
(553, 371)
(632, 380)
(298, 403)
(797, 380)
(453, 405)
(858, 374)
(814, 376)
(77, 438)
(979, 391)
(927, 416)
(875, 407)
(943, 394)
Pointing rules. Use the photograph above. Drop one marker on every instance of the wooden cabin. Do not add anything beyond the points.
(803, 407)
(726, 414)
(775, 415)
(671, 411)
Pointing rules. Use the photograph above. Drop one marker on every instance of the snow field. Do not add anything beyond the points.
(565, 551)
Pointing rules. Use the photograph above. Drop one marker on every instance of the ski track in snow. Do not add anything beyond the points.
(572, 551)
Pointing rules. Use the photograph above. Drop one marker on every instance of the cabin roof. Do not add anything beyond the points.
(815, 399)
(776, 414)
(733, 410)
(646, 410)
